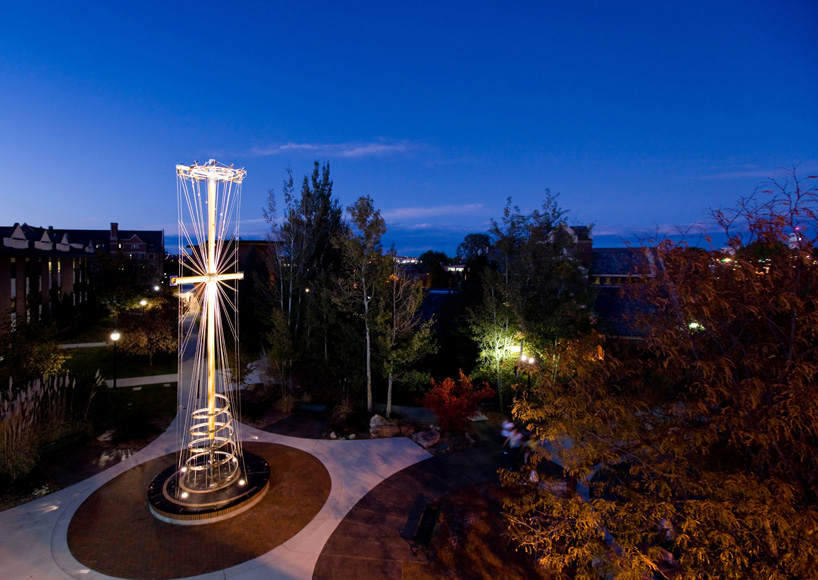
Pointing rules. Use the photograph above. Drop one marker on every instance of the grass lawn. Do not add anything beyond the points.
(102, 358)
(130, 411)
(100, 331)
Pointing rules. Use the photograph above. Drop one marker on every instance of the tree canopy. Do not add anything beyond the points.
(700, 443)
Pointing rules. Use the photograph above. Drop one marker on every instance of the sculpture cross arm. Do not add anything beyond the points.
(177, 280)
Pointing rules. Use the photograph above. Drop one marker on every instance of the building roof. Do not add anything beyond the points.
(26, 240)
(620, 262)
(100, 239)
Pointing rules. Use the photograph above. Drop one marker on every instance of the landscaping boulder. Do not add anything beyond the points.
(386, 430)
(426, 438)
(106, 437)
(377, 421)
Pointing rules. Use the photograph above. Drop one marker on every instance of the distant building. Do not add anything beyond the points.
(581, 240)
(611, 270)
(146, 247)
(620, 266)
(43, 272)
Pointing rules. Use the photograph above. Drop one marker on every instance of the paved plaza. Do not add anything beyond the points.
(35, 535)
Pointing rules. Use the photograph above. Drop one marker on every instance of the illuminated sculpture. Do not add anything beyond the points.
(213, 478)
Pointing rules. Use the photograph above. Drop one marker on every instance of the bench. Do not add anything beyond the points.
(426, 528)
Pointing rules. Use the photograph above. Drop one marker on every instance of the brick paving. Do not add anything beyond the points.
(373, 541)
(113, 531)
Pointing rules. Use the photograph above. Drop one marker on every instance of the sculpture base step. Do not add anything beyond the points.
(171, 504)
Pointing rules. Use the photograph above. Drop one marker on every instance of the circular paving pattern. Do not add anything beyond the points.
(114, 533)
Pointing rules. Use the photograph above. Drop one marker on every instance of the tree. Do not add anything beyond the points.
(29, 352)
(701, 444)
(366, 272)
(536, 291)
(302, 267)
(405, 338)
(546, 280)
(430, 258)
(493, 326)
(152, 331)
(303, 239)
(473, 245)
(118, 281)
(455, 403)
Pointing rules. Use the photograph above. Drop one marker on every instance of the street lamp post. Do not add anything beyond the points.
(115, 337)
(531, 360)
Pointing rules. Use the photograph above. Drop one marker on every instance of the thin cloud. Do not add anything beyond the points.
(746, 171)
(403, 213)
(759, 173)
(348, 150)
(658, 230)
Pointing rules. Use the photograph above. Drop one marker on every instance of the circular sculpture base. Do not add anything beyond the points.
(170, 503)
(113, 532)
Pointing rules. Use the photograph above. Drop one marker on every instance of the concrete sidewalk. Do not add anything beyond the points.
(84, 345)
(256, 374)
(139, 381)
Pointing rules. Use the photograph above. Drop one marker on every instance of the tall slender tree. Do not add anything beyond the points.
(303, 239)
(494, 327)
(303, 259)
(366, 273)
(404, 337)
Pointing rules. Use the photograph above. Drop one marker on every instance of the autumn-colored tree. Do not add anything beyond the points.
(700, 444)
(455, 402)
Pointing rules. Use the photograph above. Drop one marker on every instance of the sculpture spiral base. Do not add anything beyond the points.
(172, 501)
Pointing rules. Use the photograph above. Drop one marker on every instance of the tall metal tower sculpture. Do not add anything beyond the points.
(213, 477)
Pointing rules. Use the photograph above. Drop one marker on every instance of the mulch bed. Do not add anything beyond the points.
(114, 533)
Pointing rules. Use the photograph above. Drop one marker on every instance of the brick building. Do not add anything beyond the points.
(146, 247)
(45, 272)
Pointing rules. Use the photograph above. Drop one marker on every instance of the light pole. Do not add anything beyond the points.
(115, 337)
(531, 360)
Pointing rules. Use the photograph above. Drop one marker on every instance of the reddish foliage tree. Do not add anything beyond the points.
(454, 403)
